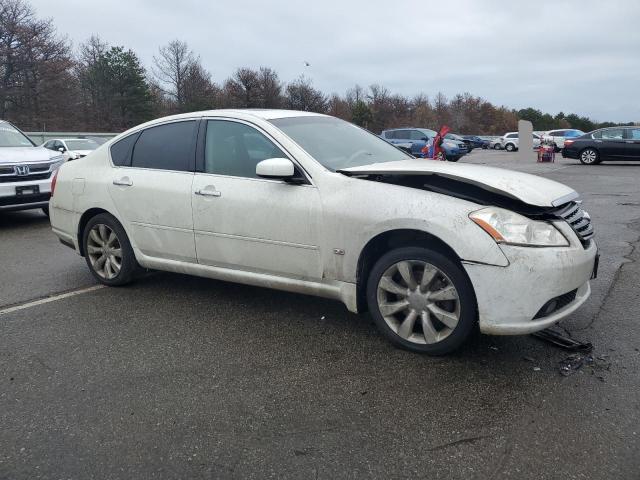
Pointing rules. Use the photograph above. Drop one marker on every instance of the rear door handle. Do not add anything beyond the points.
(123, 182)
(208, 192)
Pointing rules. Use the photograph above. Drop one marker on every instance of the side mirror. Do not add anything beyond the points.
(61, 150)
(280, 168)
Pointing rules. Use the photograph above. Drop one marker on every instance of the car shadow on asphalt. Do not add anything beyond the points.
(16, 220)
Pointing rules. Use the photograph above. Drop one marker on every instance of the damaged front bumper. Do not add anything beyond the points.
(540, 287)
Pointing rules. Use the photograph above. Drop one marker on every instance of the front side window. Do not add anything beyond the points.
(417, 135)
(609, 134)
(337, 144)
(234, 149)
(166, 147)
(512, 135)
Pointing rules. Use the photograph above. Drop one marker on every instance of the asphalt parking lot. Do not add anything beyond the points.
(181, 377)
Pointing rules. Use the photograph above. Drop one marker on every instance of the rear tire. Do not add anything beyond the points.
(589, 156)
(510, 147)
(497, 147)
(108, 251)
(421, 300)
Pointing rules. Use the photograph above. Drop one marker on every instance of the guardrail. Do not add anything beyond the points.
(40, 137)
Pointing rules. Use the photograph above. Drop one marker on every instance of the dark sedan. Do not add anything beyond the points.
(613, 143)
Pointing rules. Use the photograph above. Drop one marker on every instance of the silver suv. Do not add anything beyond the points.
(25, 171)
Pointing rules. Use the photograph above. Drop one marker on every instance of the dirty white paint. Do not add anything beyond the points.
(278, 235)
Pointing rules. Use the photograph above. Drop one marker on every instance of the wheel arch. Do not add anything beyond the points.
(389, 240)
(82, 223)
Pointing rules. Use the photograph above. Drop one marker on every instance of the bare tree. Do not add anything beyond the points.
(300, 95)
(171, 68)
(243, 88)
(35, 68)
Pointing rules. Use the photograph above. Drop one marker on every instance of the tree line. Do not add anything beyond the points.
(46, 84)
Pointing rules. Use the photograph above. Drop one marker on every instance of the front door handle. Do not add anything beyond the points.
(205, 192)
(123, 182)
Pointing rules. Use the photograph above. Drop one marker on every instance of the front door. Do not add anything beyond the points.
(249, 223)
(152, 189)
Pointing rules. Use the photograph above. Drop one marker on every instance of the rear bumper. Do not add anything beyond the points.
(511, 299)
(569, 153)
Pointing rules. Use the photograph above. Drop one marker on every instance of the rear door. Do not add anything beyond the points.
(611, 143)
(151, 188)
(632, 141)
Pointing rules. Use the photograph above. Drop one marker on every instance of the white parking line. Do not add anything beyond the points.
(53, 298)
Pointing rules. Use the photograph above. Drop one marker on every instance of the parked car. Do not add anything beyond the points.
(557, 137)
(312, 204)
(418, 138)
(475, 141)
(459, 138)
(614, 143)
(25, 171)
(72, 148)
(495, 143)
(510, 141)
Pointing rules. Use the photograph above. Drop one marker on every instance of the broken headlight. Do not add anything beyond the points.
(515, 229)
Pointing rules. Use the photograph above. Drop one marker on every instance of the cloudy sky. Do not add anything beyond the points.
(580, 56)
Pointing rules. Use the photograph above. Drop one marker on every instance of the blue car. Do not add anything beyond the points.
(415, 139)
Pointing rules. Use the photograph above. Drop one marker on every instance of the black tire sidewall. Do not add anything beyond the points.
(129, 264)
(455, 272)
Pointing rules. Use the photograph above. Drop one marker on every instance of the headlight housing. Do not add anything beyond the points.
(512, 228)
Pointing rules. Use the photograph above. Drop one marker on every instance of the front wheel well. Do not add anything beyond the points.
(84, 219)
(390, 240)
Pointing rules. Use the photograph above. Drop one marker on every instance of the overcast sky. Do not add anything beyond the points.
(579, 56)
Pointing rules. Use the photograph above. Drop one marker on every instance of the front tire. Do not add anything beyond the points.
(108, 251)
(421, 300)
(589, 156)
(510, 147)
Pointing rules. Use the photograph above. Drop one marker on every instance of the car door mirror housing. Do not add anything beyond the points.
(281, 168)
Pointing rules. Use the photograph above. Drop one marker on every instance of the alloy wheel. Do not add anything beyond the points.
(588, 156)
(418, 302)
(104, 251)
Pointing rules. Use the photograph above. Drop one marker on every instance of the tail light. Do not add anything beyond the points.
(53, 182)
(567, 143)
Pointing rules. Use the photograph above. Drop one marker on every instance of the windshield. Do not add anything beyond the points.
(337, 144)
(83, 144)
(12, 137)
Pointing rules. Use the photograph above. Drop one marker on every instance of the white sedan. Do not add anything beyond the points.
(311, 204)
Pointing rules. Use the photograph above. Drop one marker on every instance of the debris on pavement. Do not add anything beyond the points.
(563, 341)
(574, 362)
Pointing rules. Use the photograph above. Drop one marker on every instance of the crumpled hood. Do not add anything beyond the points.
(530, 189)
(25, 154)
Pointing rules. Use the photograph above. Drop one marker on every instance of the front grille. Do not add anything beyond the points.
(556, 304)
(22, 199)
(24, 178)
(578, 219)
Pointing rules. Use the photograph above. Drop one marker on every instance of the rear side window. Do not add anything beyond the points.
(512, 135)
(166, 147)
(391, 134)
(121, 151)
